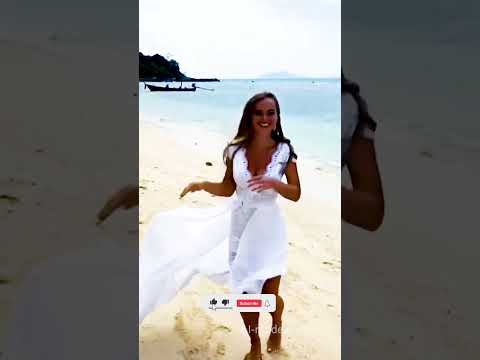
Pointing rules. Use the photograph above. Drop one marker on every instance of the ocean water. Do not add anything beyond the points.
(310, 111)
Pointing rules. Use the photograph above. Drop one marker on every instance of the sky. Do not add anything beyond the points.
(244, 38)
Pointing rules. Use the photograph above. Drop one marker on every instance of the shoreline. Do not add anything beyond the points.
(191, 132)
(313, 172)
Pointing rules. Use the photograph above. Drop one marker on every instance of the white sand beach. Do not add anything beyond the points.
(58, 167)
(410, 279)
(170, 158)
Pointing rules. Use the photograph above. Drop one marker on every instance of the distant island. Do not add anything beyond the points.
(158, 68)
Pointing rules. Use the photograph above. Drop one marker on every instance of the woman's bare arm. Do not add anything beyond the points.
(126, 197)
(363, 206)
(224, 188)
(290, 190)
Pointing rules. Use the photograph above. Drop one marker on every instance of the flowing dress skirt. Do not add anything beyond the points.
(238, 244)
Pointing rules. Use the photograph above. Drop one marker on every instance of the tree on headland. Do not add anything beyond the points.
(157, 67)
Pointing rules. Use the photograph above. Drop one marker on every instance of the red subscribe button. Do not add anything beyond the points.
(249, 303)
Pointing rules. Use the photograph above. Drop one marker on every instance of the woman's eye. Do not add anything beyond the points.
(258, 113)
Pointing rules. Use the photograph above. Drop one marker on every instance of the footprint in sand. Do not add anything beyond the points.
(221, 349)
(13, 191)
(282, 354)
(332, 265)
(199, 332)
(292, 276)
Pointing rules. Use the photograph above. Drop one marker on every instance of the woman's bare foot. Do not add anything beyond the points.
(275, 339)
(255, 351)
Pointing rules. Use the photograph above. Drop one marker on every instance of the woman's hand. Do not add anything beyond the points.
(126, 197)
(260, 183)
(192, 187)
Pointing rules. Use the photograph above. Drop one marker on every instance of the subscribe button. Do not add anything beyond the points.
(240, 303)
(249, 303)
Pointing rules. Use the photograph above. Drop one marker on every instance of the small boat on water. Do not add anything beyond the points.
(168, 88)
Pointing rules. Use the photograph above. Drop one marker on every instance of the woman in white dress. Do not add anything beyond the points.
(243, 242)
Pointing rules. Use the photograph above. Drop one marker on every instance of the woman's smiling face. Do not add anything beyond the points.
(265, 117)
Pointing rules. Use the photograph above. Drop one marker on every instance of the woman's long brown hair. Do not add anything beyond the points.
(353, 89)
(245, 129)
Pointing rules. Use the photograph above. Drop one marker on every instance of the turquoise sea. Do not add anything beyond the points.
(310, 110)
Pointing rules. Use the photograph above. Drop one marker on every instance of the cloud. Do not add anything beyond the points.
(243, 38)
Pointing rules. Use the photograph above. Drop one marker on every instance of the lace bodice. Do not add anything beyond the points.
(241, 174)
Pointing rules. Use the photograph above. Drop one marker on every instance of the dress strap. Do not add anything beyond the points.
(231, 151)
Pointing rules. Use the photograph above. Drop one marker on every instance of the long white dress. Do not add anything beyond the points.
(242, 243)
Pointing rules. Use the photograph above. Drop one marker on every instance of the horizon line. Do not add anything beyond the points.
(260, 78)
